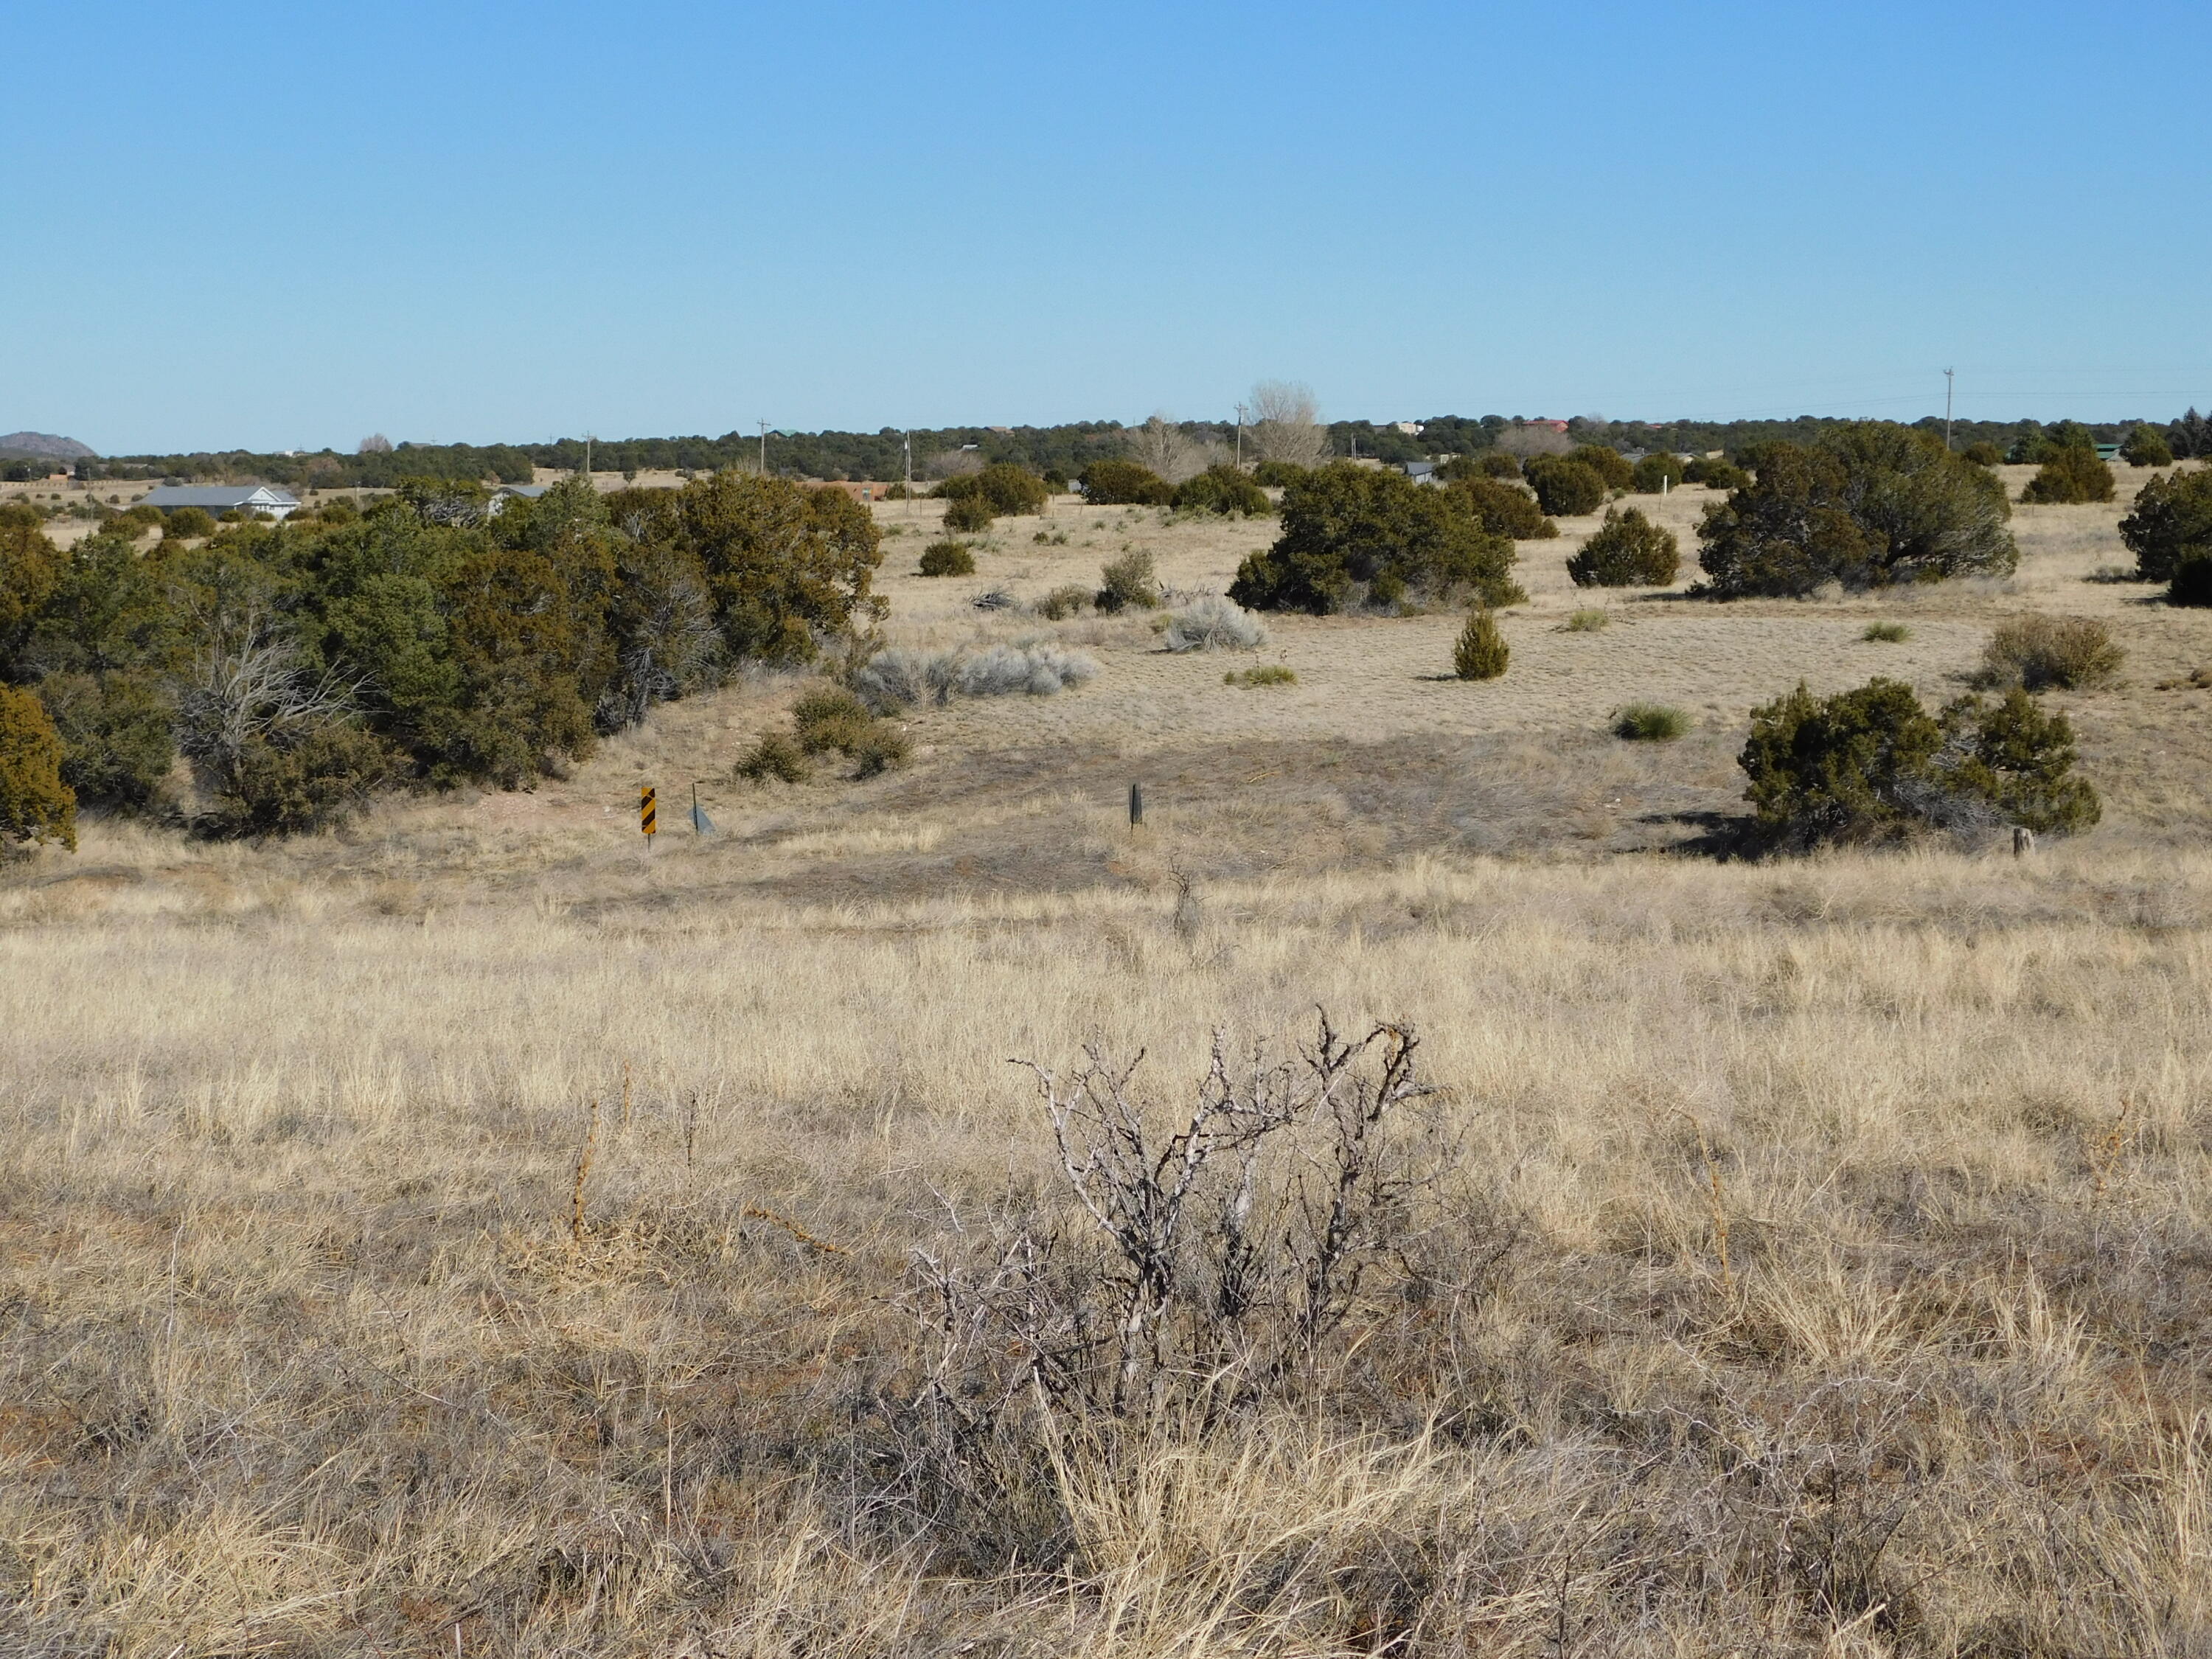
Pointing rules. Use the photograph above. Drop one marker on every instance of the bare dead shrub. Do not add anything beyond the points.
(1219, 1257)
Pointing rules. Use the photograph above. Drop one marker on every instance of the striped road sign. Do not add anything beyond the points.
(645, 812)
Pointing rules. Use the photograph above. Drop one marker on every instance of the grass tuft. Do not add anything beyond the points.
(1650, 722)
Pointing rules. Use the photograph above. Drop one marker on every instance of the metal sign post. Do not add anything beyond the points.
(646, 815)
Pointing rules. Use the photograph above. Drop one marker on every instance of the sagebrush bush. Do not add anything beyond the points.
(2070, 475)
(1129, 581)
(1038, 670)
(1656, 472)
(1504, 509)
(1627, 550)
(1608, 463)
(947, 558)
(1564, 485)
(2039, 652)
(1271, 673)
(1071, 600)
(1871, 765)
(2170, 524)
(1481, 653)
(967, 515)
(899, 677)
(1650, 722)
(35, 804)
(1214, 623)
(1588, 622)
(1224, 490)
(1124, 484)
(1351, 532)
(2146, 446)
(776, 755)
(1886, 633)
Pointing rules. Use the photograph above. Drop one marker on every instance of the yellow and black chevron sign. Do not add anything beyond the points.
(644, 814)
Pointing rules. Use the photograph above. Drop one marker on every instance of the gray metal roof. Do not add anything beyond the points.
(221, 497)
(530, 492)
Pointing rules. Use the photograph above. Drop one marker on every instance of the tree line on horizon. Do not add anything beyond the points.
(1057, 452)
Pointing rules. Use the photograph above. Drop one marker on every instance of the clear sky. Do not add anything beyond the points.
(279, 226)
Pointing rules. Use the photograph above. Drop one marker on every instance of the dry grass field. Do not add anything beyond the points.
(474, 1232)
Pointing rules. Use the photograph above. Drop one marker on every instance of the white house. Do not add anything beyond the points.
(215, 500)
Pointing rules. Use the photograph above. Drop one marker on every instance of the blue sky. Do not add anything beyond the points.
(284, 225)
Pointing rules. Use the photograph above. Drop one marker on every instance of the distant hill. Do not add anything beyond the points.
(46, 443)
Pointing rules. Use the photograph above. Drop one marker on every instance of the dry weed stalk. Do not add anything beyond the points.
(2105, 1154)
(584, 1154)
(755, 1212)
(1716, 1204)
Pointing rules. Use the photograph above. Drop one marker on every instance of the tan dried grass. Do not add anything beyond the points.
(1860, 1197)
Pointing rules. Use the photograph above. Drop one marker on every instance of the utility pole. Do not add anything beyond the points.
(763, 427)
(1946, 408)
(588, 458)
(1240, 435)
(906, 446)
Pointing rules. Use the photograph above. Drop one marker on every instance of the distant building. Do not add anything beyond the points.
(1421, 473)
(506, 493)
(216, 500)
(1411, 428)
